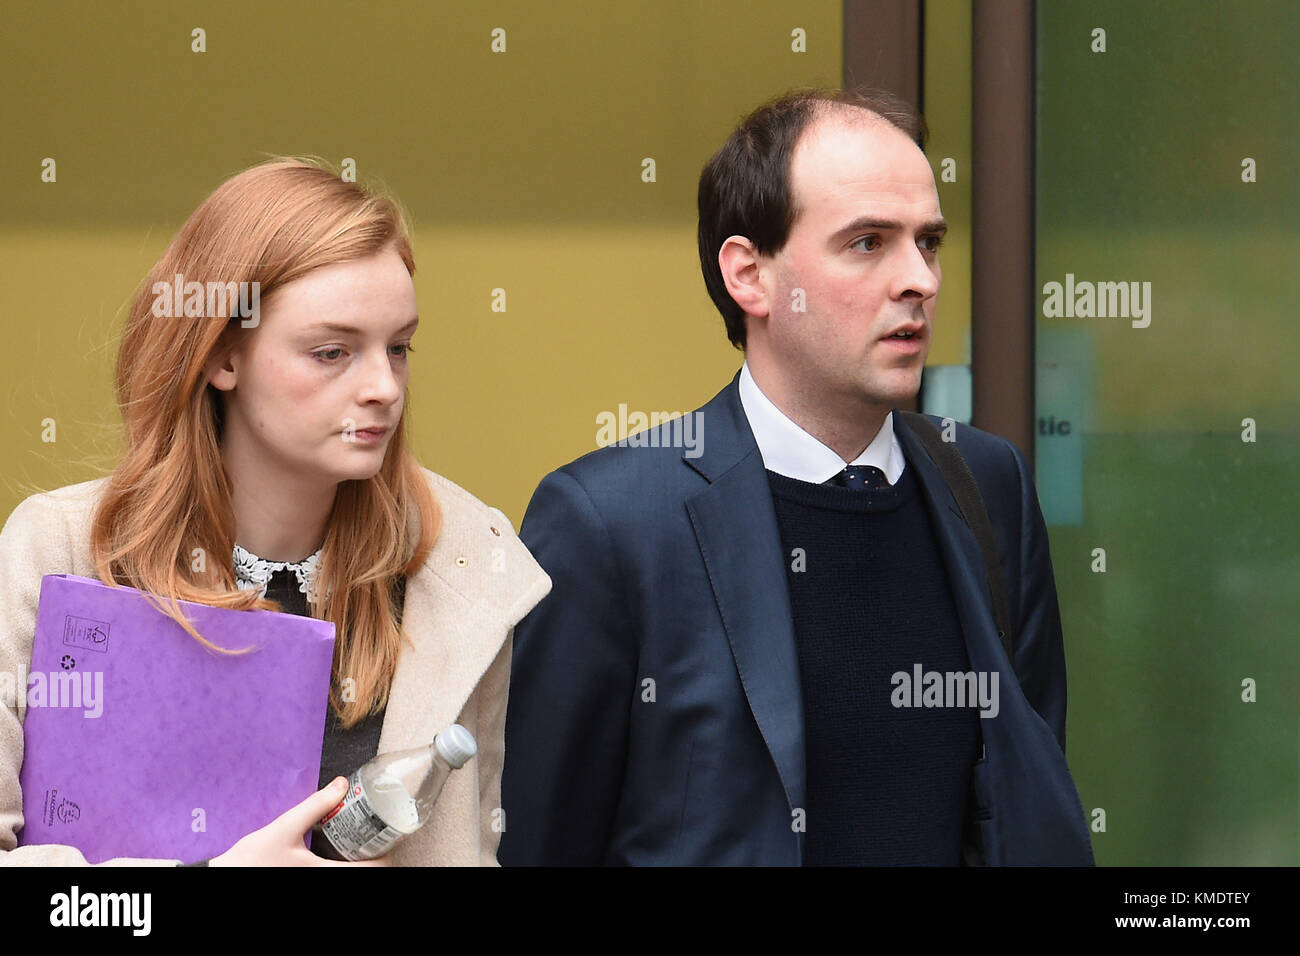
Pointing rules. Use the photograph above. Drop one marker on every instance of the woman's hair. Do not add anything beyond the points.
(165, 524)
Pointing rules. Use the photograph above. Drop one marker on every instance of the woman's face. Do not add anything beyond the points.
(326, 362)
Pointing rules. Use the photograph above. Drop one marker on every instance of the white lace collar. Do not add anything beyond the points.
(252, 572)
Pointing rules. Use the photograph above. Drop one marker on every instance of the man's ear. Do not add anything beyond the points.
(738, 260)
(220, 371)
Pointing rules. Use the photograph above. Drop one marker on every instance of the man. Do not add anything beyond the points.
(723, 672)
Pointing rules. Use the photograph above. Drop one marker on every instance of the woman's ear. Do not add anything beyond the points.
(220, 370)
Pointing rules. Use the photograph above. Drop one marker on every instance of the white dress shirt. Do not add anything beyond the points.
(789, 450)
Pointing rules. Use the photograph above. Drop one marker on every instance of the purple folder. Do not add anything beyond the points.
(141, 742)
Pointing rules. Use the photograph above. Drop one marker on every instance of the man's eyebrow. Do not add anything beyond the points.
(344, 329)
(934, 226)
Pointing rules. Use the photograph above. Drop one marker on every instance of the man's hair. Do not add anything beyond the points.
(745, 188)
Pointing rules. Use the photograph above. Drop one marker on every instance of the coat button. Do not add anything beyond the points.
(461, 561)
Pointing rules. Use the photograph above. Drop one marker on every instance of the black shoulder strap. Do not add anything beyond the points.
(961, 482)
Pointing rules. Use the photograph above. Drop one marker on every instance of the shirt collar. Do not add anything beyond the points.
(254, 573)
(790, 451)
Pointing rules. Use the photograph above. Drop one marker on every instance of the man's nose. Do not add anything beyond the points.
(915, 276)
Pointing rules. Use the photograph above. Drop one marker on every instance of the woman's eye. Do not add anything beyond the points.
(875, 240)
(332, 355)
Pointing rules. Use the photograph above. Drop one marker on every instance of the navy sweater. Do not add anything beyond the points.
(886, 785)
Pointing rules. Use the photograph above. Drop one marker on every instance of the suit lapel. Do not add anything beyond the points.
(735, 527)
(961, 555)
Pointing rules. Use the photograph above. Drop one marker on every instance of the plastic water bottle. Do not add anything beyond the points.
(391, 796)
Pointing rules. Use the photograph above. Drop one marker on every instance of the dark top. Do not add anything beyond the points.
(886, 785)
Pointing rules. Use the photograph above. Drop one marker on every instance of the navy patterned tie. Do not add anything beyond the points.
(860, 478)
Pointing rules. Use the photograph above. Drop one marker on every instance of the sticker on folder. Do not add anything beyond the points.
(141, 742)
(85, 632)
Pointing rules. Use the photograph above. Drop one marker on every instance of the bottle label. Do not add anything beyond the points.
(355, 830)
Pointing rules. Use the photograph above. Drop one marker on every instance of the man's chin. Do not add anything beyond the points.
(899, 392)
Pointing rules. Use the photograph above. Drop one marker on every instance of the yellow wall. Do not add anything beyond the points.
(520, 170)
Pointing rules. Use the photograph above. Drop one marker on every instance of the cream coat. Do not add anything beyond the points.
(461, 608)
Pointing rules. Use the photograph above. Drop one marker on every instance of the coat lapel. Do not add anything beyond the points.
(735, 527)
(453, 640)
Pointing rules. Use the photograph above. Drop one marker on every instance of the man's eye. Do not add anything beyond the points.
(937, 240)
(873, 240)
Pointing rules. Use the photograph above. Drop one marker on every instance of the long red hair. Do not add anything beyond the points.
(164, 523)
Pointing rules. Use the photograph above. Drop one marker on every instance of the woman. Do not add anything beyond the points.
(267, 466)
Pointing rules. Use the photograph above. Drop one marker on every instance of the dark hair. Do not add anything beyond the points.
(745, 187)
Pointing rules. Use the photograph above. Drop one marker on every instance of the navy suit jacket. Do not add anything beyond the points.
(655, 713)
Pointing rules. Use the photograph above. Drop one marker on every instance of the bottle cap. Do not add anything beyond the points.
(456, 744)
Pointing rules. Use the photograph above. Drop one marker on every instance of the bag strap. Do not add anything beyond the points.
(957, 474)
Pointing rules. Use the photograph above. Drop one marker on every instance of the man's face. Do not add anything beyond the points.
(327, 360)
(862, 262)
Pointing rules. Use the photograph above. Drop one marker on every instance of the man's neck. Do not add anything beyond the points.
(847, 428)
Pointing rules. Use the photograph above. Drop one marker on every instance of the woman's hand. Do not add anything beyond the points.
(280, 842)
